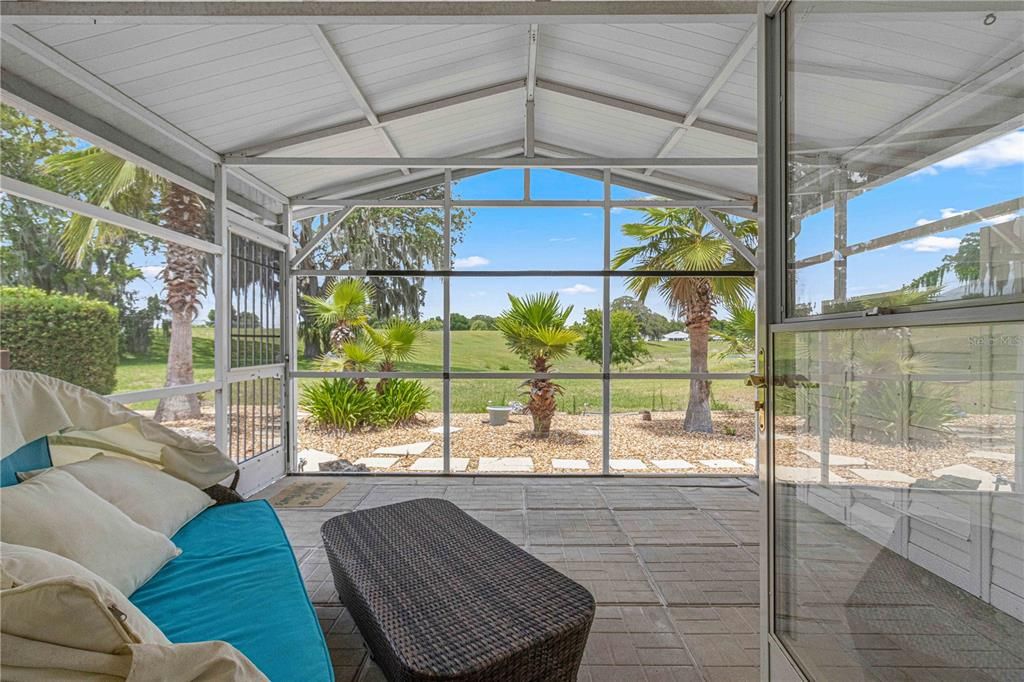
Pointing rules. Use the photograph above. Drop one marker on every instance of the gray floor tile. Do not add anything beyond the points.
(573, 527)
(644, 648)
(739, 499)
(486, 497)
(672, 527)
(392, 493)
(509, 524)
(742, 525)
(702, 575)
(651, 497)
(564, 497)
(612, 574)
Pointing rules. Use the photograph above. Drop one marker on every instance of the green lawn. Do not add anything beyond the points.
(485, 351)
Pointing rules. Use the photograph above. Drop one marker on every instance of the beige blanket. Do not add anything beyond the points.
(80, 423)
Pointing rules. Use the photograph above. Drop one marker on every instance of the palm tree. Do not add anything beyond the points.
(343, 309)
(535, 330)
(681, 239)
(394, 342)
(111, 182)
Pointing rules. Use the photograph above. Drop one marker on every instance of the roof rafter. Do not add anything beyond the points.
(329, 51)
(69, 68)
(533, 37)
(362, 12)
(738, 55)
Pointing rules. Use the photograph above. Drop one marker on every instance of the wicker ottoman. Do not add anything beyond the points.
(439, 596)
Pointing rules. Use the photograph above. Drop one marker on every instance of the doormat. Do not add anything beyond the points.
(307, 493)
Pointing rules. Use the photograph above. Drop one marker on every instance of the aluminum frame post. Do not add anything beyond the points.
(606, 331)
(446, 333)
(222, 307)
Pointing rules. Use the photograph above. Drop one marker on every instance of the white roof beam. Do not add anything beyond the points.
(53, 59)
(533, 37)
(321, 235)
(672, 181)
(738, 55)
(478, 162)
(37, 102)
(384, 118)
(363, 12)
(65, 203)
(645, 110)
(320, 38)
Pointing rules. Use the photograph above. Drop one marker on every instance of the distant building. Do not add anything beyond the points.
(676, 336)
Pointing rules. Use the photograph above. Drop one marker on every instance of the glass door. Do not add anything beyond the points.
(894, 341)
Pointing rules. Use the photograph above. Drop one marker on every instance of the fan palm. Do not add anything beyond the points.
(535, 330)
(111, 182)
(681, 239)
(343, 309)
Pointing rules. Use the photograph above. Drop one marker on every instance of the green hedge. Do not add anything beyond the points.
(69, 337)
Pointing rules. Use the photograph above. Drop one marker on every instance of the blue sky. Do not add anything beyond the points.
(570, 238)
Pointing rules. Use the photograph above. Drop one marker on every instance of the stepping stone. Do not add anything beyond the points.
(506, 464)
(314, 458)
(626, 465)
(990, 454)
(671, 464)
(988, 480)
(377, 462)
(440, 429)
(437, 464)
(721, 463)
(805, 475)
(589, 432)
(834, 460)
(884, 475)
(405, 450)
(751, 461)
(570, 464)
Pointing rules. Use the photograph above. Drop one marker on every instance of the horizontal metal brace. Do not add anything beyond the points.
(475, 162)
(522, 203)
(522, 273)
(146, 395)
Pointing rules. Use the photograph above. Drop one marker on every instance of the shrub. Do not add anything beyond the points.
(68, 337)
(348, 405)
(399, 401)
(340, 403)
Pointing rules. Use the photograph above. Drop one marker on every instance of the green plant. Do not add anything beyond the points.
(343, 309)
(68, 337)
(338, 403)
(628, 346)
(535, 329)
(681, 239)
(720, 405)
(399, 401)
(109, 181)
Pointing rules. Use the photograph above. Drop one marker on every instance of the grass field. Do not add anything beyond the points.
(485, 351)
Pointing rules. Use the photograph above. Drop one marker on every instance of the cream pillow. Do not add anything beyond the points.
(147, 495)
(20, 565)
(53, 511)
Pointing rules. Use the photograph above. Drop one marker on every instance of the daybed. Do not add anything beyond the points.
(236, 579)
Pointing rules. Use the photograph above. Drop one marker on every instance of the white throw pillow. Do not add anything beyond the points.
(20, 565)
(53, 511)
(147, 495)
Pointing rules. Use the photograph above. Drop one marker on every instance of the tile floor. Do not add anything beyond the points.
(676, 588)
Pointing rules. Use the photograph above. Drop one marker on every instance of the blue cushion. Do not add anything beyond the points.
(236, 580)
(34, 455)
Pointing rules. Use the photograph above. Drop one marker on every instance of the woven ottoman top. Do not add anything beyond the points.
(443, 587)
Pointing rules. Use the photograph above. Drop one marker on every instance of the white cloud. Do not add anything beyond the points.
(471, 262)
(1002, 151)
(562, 239)
(151, 271)
(943, 214)
(931, 244)
(578, 289)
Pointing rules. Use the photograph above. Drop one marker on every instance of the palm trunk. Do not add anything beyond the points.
(179, 371)
(542, 403)
(185, 281)
(698, 321)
